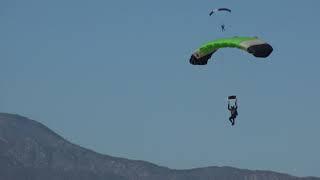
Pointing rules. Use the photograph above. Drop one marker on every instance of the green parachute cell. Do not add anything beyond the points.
(252, 45)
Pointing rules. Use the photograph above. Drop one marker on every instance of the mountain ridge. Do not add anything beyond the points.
(30, 150)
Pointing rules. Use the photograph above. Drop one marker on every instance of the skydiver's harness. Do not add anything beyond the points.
(233, 109)
(234, 112)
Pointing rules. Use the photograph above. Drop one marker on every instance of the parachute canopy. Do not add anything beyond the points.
(232, 97)
(252, 45)
(219, 9)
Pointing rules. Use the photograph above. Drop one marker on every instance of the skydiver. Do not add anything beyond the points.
(234, 112)
(222, 28)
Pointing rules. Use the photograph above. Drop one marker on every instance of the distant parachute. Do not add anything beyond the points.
(252, 45)
(219, 9)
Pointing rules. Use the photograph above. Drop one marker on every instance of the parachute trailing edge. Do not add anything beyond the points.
(252, 45)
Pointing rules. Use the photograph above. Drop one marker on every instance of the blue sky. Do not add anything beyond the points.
(114, 76)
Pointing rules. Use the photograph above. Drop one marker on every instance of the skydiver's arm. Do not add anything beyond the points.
(229, 107)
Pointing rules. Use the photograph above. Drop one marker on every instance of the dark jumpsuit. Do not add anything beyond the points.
(234, 113)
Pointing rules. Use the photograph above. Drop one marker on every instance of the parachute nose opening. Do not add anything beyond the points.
(195, 61)
(200, 61)
(261, 50)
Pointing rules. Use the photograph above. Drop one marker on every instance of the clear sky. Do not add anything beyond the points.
(114, 76)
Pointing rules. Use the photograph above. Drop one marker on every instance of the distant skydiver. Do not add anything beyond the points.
(233, 112)
(222, 28)
(223, 13)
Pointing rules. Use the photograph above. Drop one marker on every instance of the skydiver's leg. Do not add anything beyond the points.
(230, 119)
(233, 120)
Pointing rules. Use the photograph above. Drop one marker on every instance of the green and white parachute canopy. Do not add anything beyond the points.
(252, 45)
